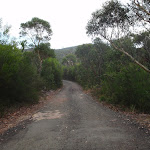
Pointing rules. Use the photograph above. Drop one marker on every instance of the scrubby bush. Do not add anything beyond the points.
(45, 51)
(52, 73)
(111, 75)
(69, 73)
(128, 87)
(19, 81)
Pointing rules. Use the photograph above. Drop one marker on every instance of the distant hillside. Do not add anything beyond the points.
(61, 53)
(28, 50)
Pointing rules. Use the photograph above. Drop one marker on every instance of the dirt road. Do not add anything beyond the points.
(72, 120)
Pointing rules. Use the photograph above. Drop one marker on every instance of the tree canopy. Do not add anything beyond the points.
(37, 30)
(114, 22)
(4, 33)
(69, 60)
(140, 10)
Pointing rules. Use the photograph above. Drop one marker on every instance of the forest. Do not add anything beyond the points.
(115, 66)
(24, 74)
(61, 53)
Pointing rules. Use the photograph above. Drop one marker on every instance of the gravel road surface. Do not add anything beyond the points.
(72, 120)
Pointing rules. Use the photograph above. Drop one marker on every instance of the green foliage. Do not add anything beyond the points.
(111, 75)
(45, 51)
(140, 10)
(91, 66)
(69, 73)
(4, 33)
(61, 53)
(123, 82)
(38, 31)
(114, 22)
(19, 81)
(128, 87)
(23, 44)
(142, 40)
(32, 58)
(52, 73)
(69, 60)
(21, 74)
(82, 76)
(69, 64)
(113, 15)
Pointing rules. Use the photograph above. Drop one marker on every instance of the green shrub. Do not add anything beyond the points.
(52, 73)
(128, 87)
(19, 81)
(69, 73)
(102, 98)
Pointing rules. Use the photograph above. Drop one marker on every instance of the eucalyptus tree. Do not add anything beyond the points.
(52, 73)
(37, 31)
(92, 62)
(69, 60)
(4, 33)
(45, 51)
(23, 44)
(114, 22)
(140, 10)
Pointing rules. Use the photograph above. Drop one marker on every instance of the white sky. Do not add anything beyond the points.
(68, 18)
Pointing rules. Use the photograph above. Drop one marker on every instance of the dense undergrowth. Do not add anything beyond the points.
(20, 81)
(112, 75)
(24, 74)
(119, 70)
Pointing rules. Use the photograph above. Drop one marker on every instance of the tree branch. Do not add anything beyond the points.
(142, 8)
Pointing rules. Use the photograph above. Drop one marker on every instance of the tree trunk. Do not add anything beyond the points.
(40, 60)
(133, 59)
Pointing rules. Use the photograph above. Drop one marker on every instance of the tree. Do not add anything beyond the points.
(69, 64)
(45, 51)
(23, 44)
(38, 31)
(113, 22)
(69, 60)
(19, 81)
(140, 10)
(52, 73)
(91, 66)
(4, 33)
(142, 42)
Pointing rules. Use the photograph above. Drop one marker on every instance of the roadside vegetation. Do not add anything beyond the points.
(24, 74)
(61, 53)
(116, 66)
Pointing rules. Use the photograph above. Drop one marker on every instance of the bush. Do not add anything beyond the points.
(52, 73)
(19, 81)
(129, 87)
(69, 73)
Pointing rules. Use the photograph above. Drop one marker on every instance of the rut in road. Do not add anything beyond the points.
(72, 120)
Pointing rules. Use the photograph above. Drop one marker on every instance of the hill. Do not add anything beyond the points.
(61, 53)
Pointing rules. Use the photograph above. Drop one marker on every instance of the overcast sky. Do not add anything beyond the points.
(68, 18)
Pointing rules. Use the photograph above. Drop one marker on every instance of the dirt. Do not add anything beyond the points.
(73, 120)
(17, 115)
(141, 119)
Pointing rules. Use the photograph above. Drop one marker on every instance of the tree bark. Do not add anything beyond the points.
(132, 58)
(40, 60)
